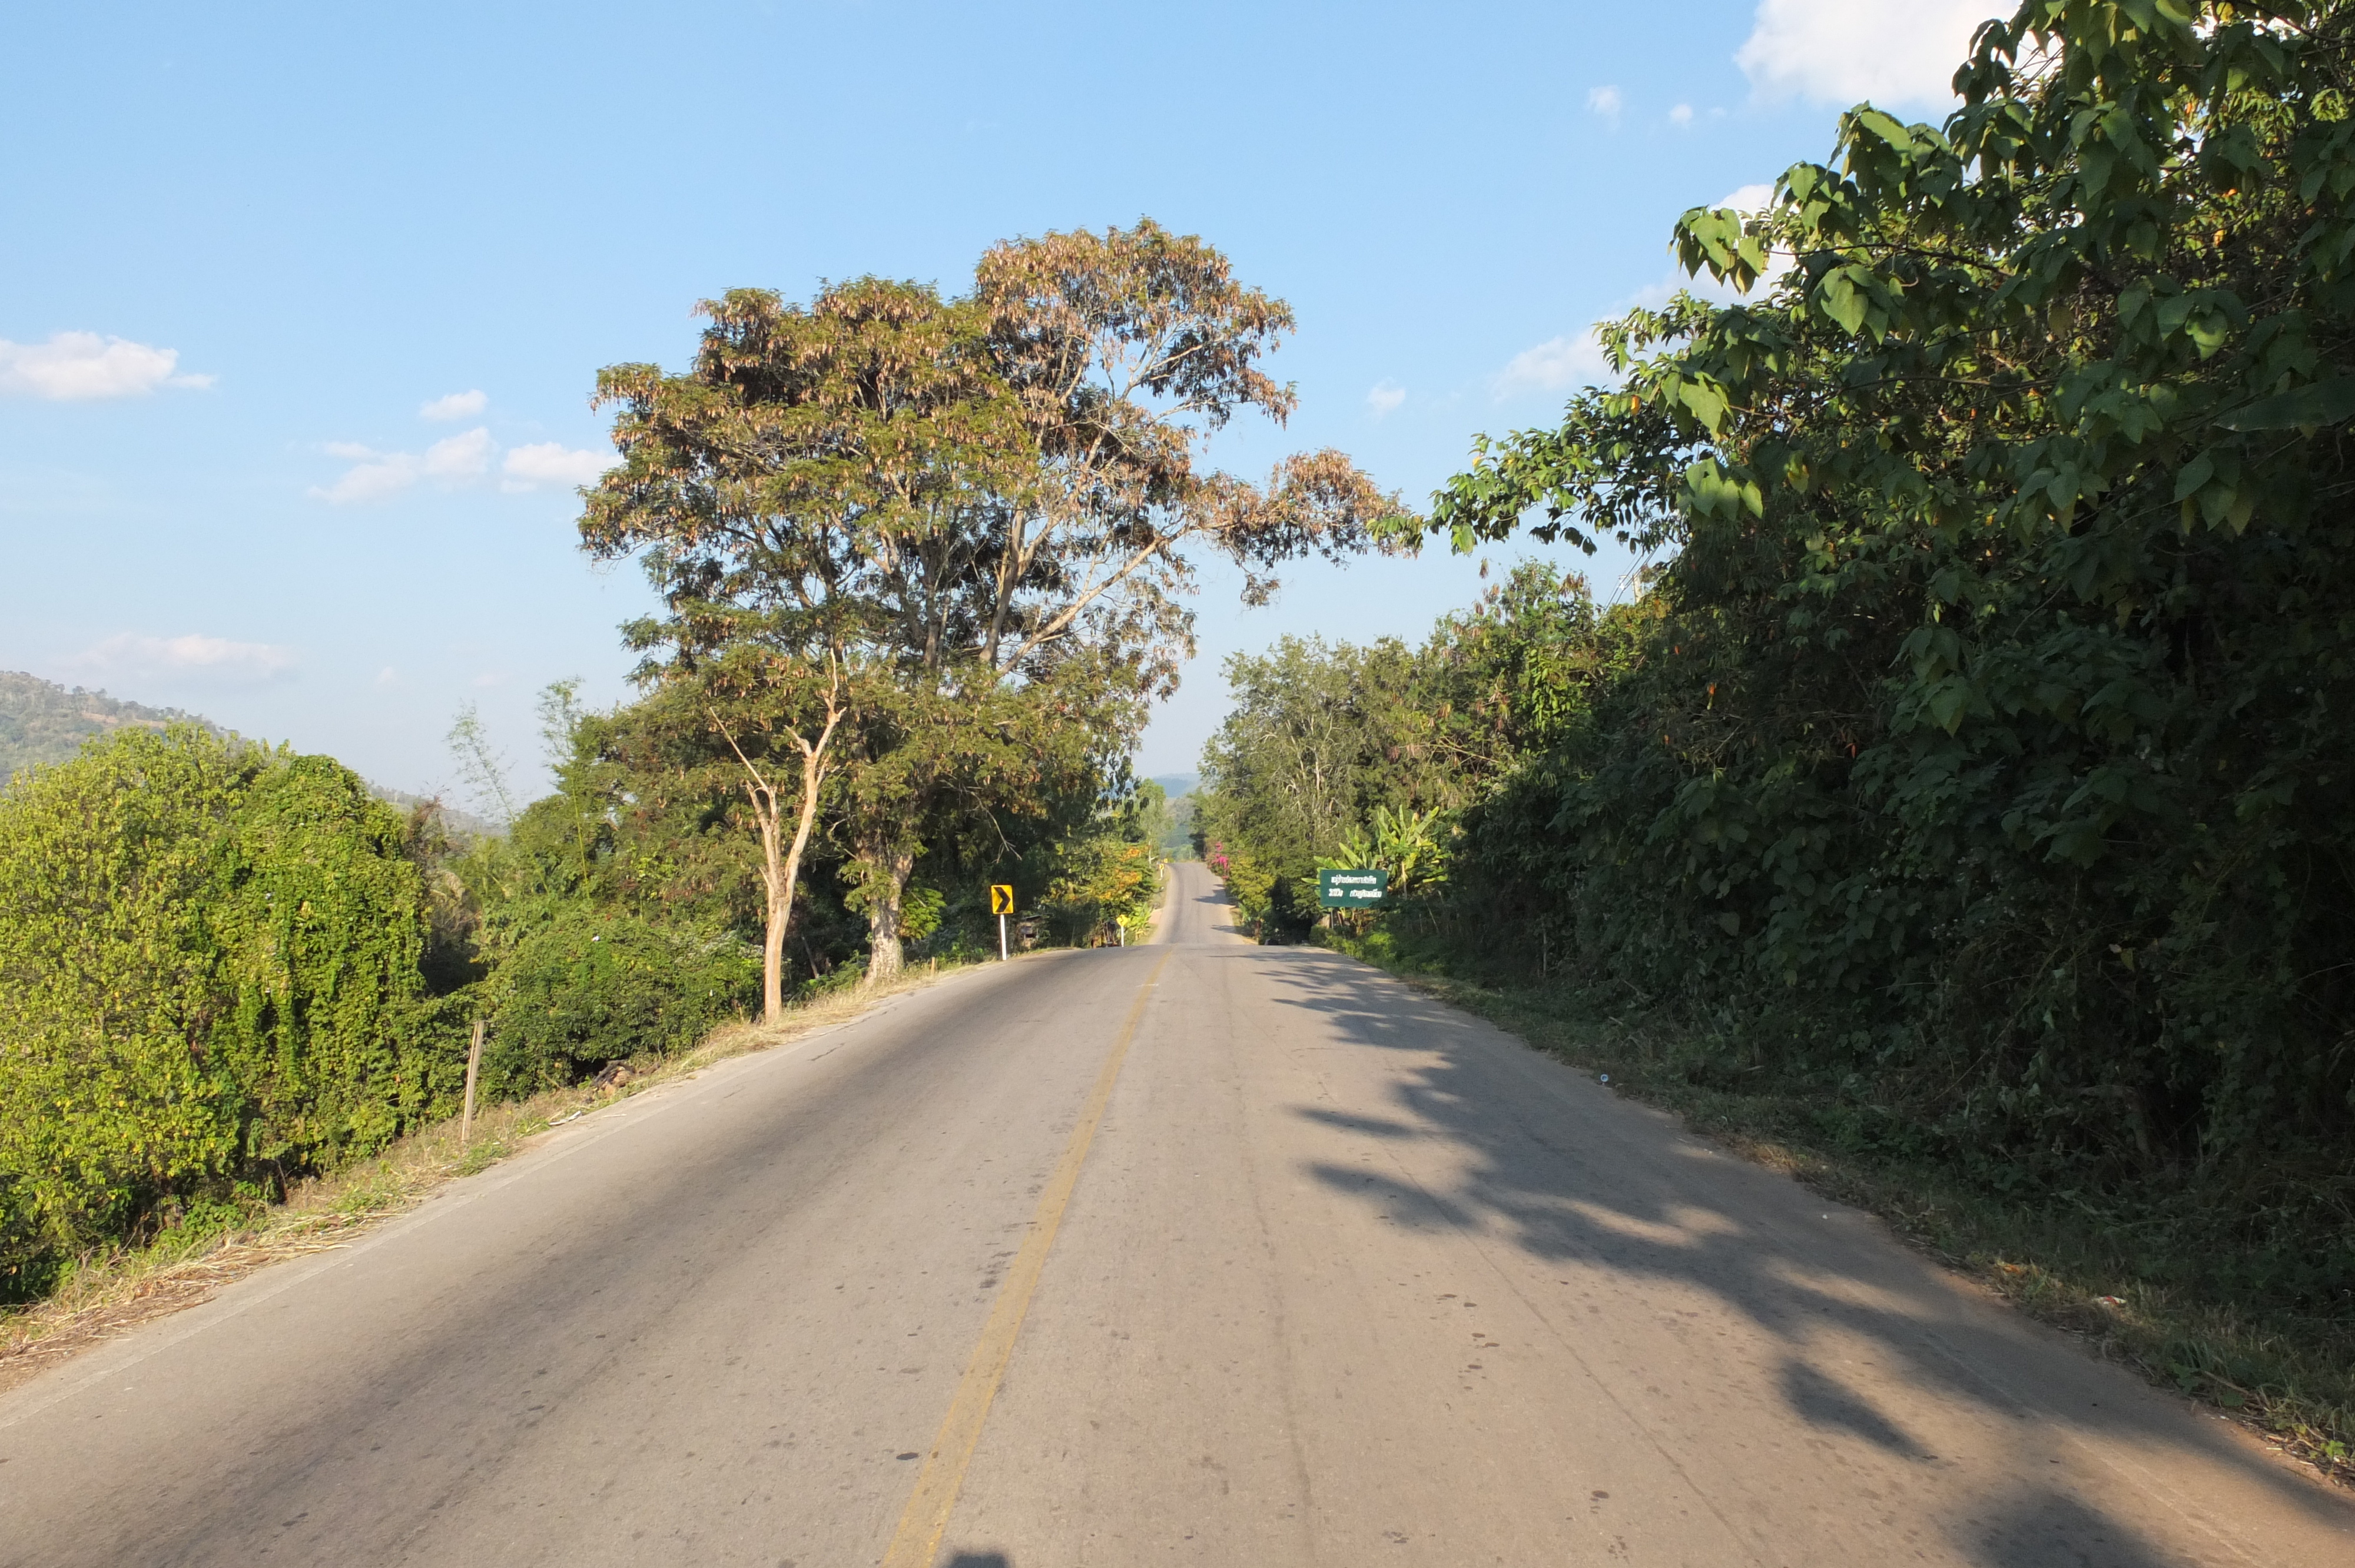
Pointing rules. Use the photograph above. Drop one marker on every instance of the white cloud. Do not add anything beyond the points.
(551, 462)
(1750, 199)
(456, 406)
(1606, 102)
(1840, 52)
(1554, 366)
(192, 654)
(372, 477)
(1681, 115)
(73, 365)
(461, 457)
(1384, 398)
(454, 461)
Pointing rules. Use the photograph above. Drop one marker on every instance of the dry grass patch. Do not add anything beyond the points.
(105, 1294)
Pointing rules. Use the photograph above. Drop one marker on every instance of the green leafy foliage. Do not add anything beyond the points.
(591, 987)
(209, 952)
(1336, 754)
(1409, 845)
(1108, 875)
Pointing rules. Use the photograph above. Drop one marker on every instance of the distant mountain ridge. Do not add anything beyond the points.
(44, 723)
(457, 820)
(41, 721)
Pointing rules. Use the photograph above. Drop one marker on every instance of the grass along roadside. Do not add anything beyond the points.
(106, 1293)
(2292, 1380)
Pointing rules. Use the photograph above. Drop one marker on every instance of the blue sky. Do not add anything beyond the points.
(301, 306)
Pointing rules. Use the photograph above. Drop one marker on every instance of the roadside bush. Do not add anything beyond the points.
(324, 933)
(1109, 885)
(1989, 745)
(205, 947)
(590, 987)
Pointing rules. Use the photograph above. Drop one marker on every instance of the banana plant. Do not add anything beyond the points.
(1408, 844)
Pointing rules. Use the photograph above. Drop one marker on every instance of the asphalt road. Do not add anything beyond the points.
(1194, 1253)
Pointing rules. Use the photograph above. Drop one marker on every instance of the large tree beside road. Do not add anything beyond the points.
(930, 553)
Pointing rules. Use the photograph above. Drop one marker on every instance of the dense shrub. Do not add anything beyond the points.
(206, 949)
(592, 987)
(1991, 745)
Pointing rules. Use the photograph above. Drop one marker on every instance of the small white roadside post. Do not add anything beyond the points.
(474, 1066)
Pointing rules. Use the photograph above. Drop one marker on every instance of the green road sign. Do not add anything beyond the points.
(1351, 889)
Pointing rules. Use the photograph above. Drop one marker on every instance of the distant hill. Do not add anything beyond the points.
(41, 721)
(1176, 784)
(456, 819)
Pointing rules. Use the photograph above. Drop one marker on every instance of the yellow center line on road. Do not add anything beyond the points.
(926, 1518)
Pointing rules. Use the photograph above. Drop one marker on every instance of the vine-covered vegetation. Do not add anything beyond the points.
(210, 981)
(1977, 757)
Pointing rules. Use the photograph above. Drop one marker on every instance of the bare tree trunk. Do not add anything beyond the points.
(780, 877)
(886, 884)
(779, 914)
(781, 863)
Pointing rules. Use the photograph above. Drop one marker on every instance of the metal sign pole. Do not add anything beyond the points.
(1001, 938)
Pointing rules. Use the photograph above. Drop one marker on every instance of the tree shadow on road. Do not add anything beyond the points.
(1547, 1160)
(2040, 1527)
